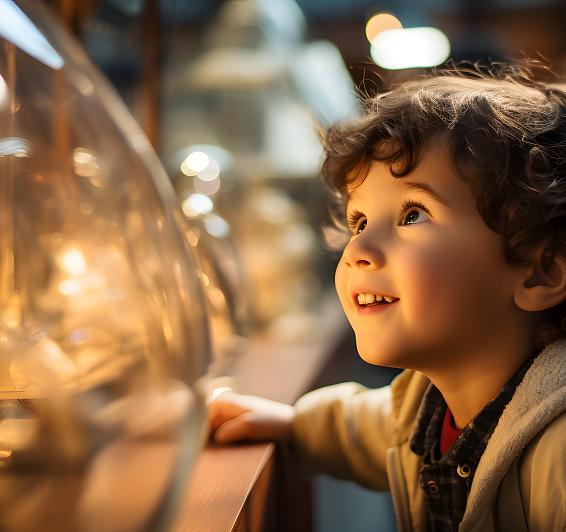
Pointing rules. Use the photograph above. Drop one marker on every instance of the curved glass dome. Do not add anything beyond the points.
(103, 331)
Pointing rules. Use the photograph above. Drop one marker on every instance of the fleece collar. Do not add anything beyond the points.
(540, 398)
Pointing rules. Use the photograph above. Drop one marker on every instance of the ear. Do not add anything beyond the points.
(543, 285)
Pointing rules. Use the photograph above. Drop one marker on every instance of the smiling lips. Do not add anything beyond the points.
(369, 300)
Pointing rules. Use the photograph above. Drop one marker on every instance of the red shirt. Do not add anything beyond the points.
(449, 432)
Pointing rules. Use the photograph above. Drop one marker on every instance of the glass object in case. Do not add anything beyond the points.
(203, 170)
(103, 330)
(224, 287)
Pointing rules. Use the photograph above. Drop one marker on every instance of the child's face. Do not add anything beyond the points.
(432, 253)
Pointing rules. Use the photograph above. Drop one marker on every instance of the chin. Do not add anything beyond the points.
(380, 358)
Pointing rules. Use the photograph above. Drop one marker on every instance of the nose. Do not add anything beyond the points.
(361, 253)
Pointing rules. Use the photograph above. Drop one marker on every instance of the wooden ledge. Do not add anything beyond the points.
(225, 479)
(220, 486)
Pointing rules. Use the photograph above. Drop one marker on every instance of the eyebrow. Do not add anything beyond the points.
(427, 189)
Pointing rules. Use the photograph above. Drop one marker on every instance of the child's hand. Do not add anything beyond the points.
(234, 417)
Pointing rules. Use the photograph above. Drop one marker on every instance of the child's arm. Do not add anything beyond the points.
(235, 417)
(343, 430)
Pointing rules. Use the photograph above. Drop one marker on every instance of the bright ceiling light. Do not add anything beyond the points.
(410, 48)
(379, 23)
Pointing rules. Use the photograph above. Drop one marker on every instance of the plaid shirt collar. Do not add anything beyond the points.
(446, 480)
(431, 413)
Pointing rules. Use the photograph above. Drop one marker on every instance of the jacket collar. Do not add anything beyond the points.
(540, 398)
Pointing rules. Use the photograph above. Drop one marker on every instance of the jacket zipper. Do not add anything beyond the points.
(397, 490)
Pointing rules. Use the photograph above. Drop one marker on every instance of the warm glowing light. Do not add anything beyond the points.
(224, 159)
(185, 170)
(410, 48)
(70, 287)
(196, 205)
(85, 163)
(74, 262)
(195, 162)
(379, 23)
(93, 281)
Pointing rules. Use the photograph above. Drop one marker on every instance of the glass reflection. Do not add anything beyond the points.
(103, 330)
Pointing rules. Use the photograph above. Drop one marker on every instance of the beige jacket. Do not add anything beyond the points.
(354, 433)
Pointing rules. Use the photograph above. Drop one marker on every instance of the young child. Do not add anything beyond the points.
(454, 192)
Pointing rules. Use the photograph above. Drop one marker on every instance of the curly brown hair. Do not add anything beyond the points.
(506, 135)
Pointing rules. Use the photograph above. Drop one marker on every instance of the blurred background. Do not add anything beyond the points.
(233, 95)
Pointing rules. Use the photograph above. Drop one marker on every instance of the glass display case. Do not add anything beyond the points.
(103, 330)
(240, 138)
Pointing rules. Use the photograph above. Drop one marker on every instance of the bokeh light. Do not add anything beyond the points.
(197, 205)
(381, 22)
(195, 162)
(206, 187)
(410, 48)
(210, 172)
(86, 164)
(216, 226)
(73, 261)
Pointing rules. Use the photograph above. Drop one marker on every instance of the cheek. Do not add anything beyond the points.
(451, 281)
(424, 276)
(433, 277)
(340, 282)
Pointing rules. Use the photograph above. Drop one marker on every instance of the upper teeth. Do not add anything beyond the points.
(368, 299)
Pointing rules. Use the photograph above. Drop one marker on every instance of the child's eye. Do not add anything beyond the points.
(413, 212)
(356, 222)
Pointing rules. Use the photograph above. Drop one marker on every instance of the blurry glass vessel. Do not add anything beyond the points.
(204, 170)
(225, 293)
(103, 332)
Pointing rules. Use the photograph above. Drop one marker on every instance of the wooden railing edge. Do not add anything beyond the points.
(225, 477)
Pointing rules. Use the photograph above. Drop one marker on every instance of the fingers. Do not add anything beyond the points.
(236, 429)
(234, 417)
(250, 426)
(225, 408)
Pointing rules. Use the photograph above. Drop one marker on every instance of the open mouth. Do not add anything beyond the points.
(372, 300)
